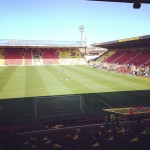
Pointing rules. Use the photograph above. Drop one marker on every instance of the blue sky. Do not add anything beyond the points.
(60, 20)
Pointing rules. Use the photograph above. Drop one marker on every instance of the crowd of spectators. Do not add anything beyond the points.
(110, 135)
(141, 70)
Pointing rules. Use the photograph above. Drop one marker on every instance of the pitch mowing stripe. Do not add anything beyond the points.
(80, 79)
(118, 86)
(66, 80)
(76, 82)
(118, 75)
(2, 68)
(34, 85)
(124, 81)
(97, 78)
(57, 80)
(130, 82)
(51, 80)
(85, 85)
(133, 83)
(86, 80)
(5, 75)
(126, 77)
(15, 84)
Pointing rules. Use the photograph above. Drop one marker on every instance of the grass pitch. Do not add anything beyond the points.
(99, 89)
(32, 81)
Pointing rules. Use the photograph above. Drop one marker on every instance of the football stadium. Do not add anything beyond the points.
(53, 80)
(67, 88)
(50, 85)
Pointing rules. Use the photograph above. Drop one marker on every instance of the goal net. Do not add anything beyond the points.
(58, 106)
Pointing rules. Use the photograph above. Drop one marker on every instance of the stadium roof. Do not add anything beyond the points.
(40, 43)
(139, 41)
(136, 3)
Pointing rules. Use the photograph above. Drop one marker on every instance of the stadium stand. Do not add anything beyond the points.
(128, 61)
(131, 55)
(37, 58)
(70, 56)
(49, 56)
(27, 57)
(129, 135)
(106, 55)
(128, 57)
(143, 58)
(2, 57)
(40, 56)
(13, 57)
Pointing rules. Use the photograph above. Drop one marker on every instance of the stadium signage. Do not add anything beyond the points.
(129, 39)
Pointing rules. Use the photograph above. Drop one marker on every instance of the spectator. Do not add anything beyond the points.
(131, 115)
(117, 121)
(112, 118)
(107, 120)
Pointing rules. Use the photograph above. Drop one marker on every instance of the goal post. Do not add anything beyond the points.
(61, 106)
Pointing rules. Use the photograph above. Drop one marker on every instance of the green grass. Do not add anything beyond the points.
(35, 81)
(99, 89)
